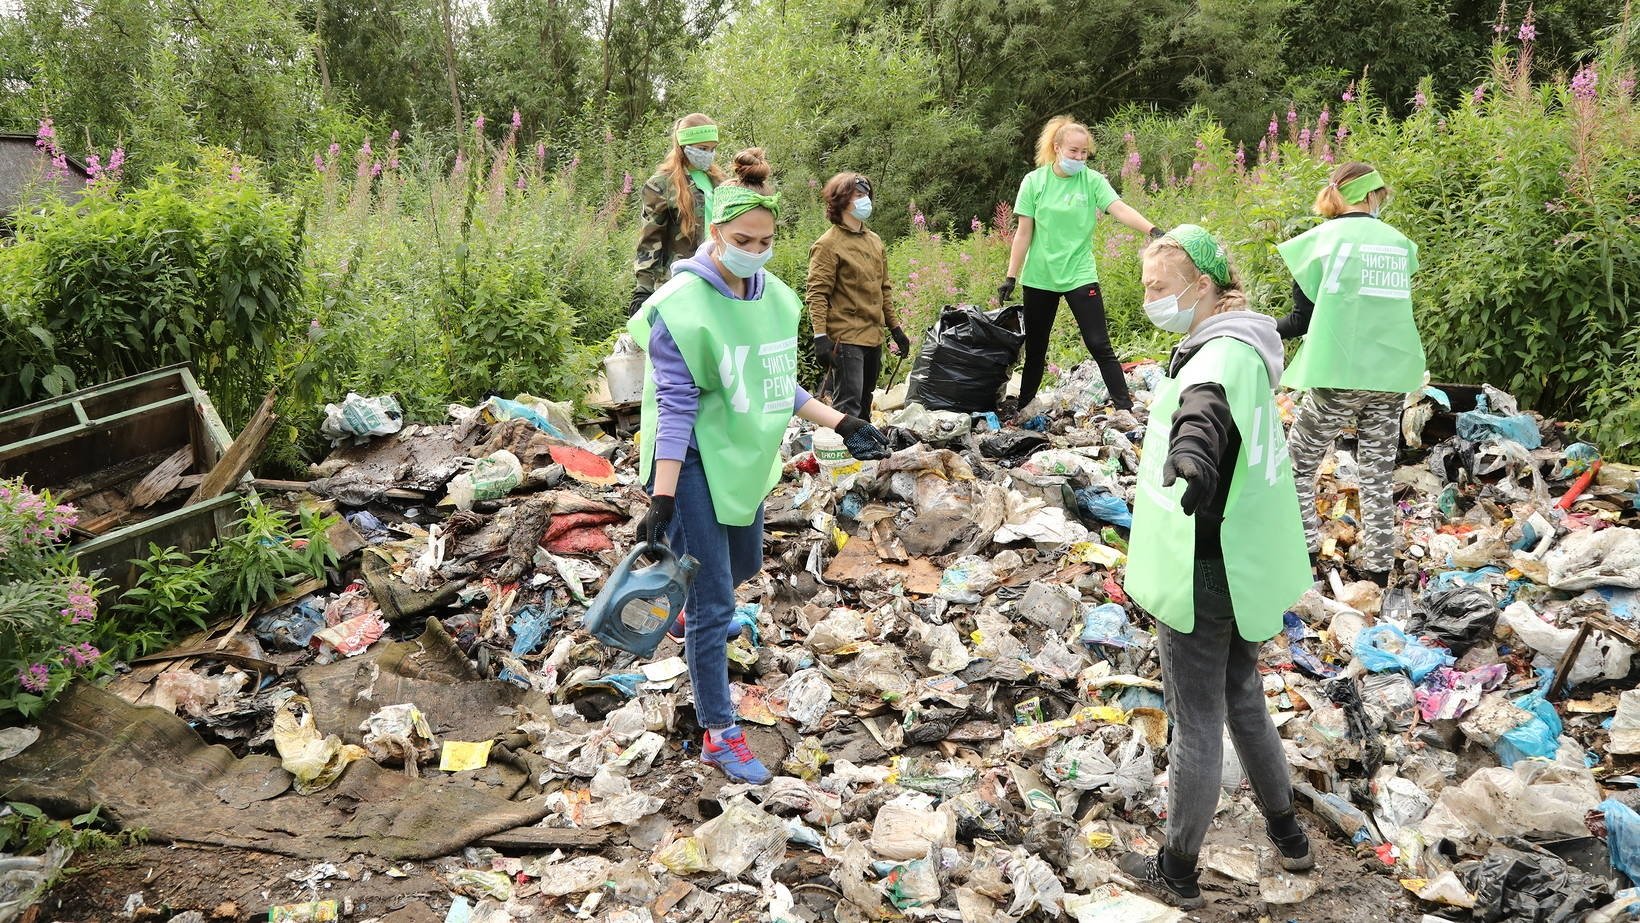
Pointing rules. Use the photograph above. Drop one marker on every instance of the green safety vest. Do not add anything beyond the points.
(1362, 336)
(743, 357)
(1265, 560)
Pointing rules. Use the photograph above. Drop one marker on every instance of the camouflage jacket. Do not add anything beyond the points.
(661, 242)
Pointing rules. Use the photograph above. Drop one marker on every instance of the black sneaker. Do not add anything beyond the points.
(1181, 891)
(1290, 840)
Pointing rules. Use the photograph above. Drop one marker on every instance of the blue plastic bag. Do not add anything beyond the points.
(1539, 737)
(1100, 504)
(1622, 837)
(1107, 625)
(1383, 648)
(1481, 426)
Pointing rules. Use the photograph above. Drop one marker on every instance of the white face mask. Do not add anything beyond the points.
(742, 264)
(699, 157)
(1165, 313)
(862, 208)
(1071, 167)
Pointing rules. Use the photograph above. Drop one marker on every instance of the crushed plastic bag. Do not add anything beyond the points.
(399, 733)
(1538, 737)
(314, 761)
(1113, 759)
(743, 837)
(965, 358)
(1531, 797)
(1601, 656)
(1384, 647)
(358, 418)
(1589, 558)
(1513, 884)
(908, 826)
(492, 476)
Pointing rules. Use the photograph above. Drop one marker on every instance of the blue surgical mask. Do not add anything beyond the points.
(862, 208)
(742, 264)
(699, 157)
(1071, 167)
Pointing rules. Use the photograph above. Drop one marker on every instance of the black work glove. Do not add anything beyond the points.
(825, 351)
(1156, 232)
(900, 339)
(1005, 291)
(638, 298)
(1201, 481)
(652, 528)
(863, 441)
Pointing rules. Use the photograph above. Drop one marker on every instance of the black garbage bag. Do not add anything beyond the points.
(1529, 886)
(1012, 446)
(965, 357)
(1459, 617)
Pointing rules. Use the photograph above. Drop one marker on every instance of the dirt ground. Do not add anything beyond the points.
(230, 884)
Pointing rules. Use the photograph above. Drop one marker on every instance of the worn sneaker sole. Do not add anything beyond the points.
(1303, 863)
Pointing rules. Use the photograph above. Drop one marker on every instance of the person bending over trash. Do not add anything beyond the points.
(850, 296)
(676, 202)
(1217, 550)
(722, 385)
(1352, 304)
(1058, 205)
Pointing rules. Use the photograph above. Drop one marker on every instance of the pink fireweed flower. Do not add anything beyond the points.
(920, 221)
(35, 678)
(318, 162)
(235, 174)
(1322, 120)
(518, 120)
(626, 184)
(1625, 85)
(965, 258)
(974, 225)
(1528, 28)
(520, 183)
(375, 169)
(1292, 115)
(1479, 94)
(79, 655)
(1419, 101)
(1133, 161)
(1304, 139)
(1583, 85)
(1241, 156)
(1274, 127)
(335, 149)
(1349, 93)
(541, 151)
(394, 137)
(478, 124)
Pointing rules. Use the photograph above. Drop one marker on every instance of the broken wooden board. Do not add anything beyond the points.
(237, 460)
(858, 566)
(165, 477)
(531, 839)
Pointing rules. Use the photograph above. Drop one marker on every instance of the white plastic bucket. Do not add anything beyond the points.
(829, 451)
(624, 372)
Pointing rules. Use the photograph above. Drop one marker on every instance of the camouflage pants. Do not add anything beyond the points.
(1377, 417)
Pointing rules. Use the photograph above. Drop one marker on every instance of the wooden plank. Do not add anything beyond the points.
(278, 485)
(535, 838)
(237, 460)
(163, 479)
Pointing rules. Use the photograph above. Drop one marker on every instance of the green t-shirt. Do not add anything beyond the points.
(1065, 209)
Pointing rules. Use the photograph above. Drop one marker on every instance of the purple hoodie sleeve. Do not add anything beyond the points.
(676, 393)
(803, 397)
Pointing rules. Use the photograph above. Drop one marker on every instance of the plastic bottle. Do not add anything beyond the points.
(637, 606)
(1346, 818)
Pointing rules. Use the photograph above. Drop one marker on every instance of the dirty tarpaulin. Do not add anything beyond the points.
(147, 768)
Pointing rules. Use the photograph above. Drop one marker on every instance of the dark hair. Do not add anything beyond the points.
(840, 192)
(752, 170)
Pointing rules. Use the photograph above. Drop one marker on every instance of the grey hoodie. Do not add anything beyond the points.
(1255, 329)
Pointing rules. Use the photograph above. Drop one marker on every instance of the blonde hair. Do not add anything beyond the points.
(675, 166)
(1055, 132)
(1226, 298)
(1329, 202)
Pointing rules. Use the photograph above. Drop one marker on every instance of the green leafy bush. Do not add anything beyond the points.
(196, 266)
(176, 592)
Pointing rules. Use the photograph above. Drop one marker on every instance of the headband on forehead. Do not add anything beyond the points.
(731, 201)
(1207, 253)
(697, 134)
(1356, 190)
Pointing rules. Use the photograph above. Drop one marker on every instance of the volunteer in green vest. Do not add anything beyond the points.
(1058, 205)
(720, 389)
(1352, 304)
(1217, 550)
(676, 201)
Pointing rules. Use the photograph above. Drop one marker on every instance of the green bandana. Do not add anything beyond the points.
(1359, 188)
(1205, 252)
(730, 202)
(697, 134)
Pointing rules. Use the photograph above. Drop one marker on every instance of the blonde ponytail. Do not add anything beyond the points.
(1058, 128)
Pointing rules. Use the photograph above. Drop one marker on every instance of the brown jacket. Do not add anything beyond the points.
(849, 294)
(663, 240)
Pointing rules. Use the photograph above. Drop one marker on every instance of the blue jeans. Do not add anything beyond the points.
(728, 556)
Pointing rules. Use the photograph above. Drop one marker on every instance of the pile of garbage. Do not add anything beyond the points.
(962, 708)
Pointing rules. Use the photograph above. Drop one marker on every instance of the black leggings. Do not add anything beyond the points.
(1088, 307)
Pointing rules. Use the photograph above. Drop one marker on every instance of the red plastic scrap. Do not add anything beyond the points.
(1113, 591)
(579, 533)
(583, 465)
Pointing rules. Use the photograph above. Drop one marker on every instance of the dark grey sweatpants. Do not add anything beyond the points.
(854, 375)
(1210, 681)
